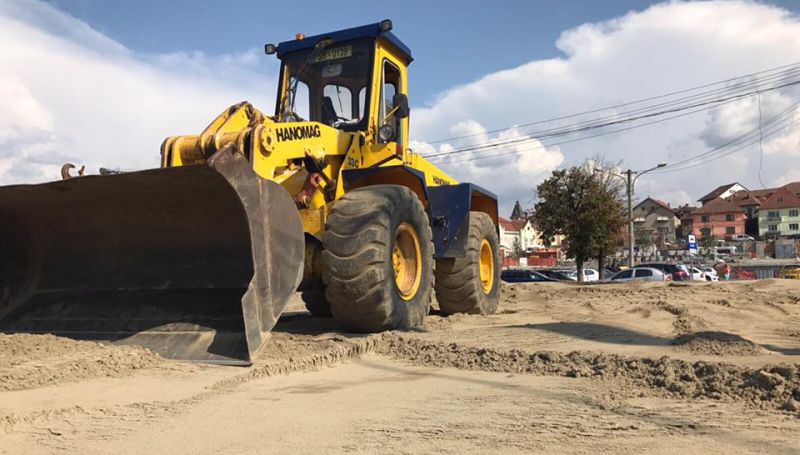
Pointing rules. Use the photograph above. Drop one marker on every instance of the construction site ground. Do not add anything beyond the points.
(631, 368)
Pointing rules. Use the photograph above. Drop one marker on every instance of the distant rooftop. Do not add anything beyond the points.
(718, 205)
(718, 191)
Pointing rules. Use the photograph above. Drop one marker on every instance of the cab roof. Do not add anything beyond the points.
(364, 31)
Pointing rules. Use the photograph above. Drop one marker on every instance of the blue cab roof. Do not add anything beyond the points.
(364, 31)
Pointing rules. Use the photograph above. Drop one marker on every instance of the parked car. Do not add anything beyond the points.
(678, 272)
(703, 273)
(640, 273)
(711, 273)
(588, 275)
(556, 274)
(792, 273)
(697, 274)
(742, 238)
(726, 251)
(524, 276)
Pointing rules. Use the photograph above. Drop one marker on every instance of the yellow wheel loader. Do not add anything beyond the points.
(197, 260)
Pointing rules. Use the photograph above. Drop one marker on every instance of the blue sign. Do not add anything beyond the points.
(692, 243)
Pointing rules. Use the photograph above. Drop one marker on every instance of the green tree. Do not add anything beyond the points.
(707, 241)
(611, 219)
(644, 238)
(584, 207)
(516, 248)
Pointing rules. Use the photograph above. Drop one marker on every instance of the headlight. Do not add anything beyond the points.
(386, 133)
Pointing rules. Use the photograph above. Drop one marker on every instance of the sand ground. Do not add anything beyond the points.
(653, 368)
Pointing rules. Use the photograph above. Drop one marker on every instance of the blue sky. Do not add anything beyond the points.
(131, 73)
(453, 42)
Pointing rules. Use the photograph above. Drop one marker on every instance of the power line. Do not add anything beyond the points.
(779, 117)
(760, 144)
(794, 67)
(613, 120)
(569, 141)
(733, 151)
(591, 126)
(773, 125)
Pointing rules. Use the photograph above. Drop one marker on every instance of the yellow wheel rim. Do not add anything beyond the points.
(407, 261)
(487, 267)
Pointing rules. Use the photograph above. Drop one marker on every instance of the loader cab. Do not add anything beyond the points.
(354, 80)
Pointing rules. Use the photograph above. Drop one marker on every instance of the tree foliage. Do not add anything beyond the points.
(585, 207)
(516, 248)
(708, 240)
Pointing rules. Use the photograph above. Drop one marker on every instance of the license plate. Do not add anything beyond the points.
(333, 54)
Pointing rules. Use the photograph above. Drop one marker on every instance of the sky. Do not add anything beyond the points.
(102, 82)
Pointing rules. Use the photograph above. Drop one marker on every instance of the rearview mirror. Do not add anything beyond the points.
(400, 101)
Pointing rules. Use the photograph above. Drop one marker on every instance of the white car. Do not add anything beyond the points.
(697, 274)
(710, 273)
(588, 275)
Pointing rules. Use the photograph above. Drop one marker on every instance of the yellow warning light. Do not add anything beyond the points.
(299, 36)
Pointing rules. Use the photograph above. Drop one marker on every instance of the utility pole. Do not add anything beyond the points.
(630, 181)
(629, 189)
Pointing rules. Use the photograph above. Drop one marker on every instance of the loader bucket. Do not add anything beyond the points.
(193, 262)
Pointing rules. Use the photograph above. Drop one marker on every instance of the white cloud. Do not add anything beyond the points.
(664, 48)
(512, 169)
(72, 94)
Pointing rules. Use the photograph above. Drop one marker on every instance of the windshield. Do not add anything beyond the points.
(328, 84)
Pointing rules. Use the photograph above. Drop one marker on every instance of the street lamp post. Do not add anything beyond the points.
(630, 181)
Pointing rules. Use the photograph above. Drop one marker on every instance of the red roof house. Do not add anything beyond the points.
(720, 218)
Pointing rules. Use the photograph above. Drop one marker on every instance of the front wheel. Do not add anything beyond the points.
(471, 284)
(378, 259)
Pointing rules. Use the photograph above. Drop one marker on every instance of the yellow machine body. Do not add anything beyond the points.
(279, 151)
(198, 259)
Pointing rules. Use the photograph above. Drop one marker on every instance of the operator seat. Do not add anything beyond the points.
(329, 116)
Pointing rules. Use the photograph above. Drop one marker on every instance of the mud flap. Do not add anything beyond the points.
(193, 262)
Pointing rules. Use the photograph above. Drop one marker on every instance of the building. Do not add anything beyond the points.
(722, 192)
(523, 231)
(684, 213)
(779, 215)
(719, 218)
(509, 234)
(750, 201)
(655, 223)
(517, 213)
(519, 230)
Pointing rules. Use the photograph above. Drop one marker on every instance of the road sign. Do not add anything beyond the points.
(692, 243)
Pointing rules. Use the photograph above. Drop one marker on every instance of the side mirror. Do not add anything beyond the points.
(400, 101)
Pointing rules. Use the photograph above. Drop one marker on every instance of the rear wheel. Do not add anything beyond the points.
(378, 259)
(471, 284)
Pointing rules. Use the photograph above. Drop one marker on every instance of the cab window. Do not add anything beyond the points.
(324, 84)
(337, 104)
(390, 87)
(302, 102)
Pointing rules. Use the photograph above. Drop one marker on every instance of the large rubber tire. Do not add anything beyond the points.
(459, 288)
(316, 303)
(358, 272)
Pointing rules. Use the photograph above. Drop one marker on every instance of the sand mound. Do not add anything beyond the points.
(717, 343)
(28, 361)
(771, 387)
(509, 294)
